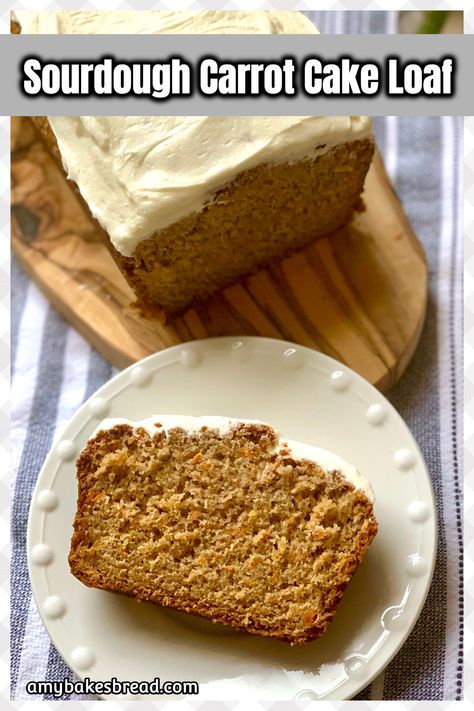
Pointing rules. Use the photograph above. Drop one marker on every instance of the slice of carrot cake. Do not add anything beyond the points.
(223, 519)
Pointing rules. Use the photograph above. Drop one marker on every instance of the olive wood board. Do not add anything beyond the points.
(359, 295)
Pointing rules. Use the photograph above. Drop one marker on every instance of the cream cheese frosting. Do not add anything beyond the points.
(324, 458)
(227, 22)
(141, 174)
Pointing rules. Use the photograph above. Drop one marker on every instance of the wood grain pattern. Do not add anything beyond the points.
(358, 295)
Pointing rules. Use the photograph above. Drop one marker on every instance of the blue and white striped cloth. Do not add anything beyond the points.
(54, 370)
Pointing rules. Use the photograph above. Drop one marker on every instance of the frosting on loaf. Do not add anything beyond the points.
(226, 22)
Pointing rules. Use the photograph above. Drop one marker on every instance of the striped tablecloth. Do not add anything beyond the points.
(54, 370)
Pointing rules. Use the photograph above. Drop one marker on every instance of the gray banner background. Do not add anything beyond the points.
(153, 48)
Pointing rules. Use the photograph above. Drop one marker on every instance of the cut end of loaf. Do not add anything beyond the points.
(262, 215)
(224, 525)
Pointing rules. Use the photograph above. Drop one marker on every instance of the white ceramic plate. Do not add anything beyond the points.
(308, 397)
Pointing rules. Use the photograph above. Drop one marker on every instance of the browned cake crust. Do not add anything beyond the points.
(220, 526)
(263, 214)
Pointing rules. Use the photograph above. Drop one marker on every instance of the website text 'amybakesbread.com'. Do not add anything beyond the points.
(65, 687)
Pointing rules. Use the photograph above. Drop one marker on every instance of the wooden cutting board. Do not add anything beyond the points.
(358, 295)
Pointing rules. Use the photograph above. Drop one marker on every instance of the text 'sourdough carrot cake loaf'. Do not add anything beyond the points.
(190, 204)
(223, 519)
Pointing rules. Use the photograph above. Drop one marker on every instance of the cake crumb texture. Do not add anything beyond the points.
(224, 526)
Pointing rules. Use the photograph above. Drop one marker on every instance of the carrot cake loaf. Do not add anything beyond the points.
(221, 518)
(191, 204)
